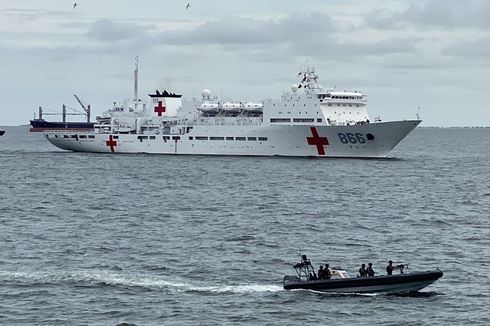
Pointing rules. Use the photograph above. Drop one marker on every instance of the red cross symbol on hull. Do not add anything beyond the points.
(318, 141)
(111, 143)
(159, 109)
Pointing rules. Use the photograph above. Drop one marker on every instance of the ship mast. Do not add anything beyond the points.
(136, 82)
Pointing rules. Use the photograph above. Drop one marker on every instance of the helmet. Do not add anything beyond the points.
(390, 262)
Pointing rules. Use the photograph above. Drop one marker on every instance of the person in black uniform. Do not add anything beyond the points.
(362, 271)
(326, 272)
(390, 268)
(369, 270)
(320, 273)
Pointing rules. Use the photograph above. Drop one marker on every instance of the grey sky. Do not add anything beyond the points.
(401, 53)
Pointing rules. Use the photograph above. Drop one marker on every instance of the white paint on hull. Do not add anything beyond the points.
(280, 140)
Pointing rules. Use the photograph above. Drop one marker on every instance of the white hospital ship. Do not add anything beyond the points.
(307, 121)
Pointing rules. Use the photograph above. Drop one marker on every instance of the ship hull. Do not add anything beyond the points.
(387, 284)
(41, 125)
(373, 140)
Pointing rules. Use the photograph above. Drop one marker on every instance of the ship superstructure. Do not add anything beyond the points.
(307, 120)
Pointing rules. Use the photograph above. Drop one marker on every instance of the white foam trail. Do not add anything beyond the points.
(134, 281)
(243, 288)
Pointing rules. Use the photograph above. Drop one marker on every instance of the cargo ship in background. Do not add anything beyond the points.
(39, 124)
(307, 121)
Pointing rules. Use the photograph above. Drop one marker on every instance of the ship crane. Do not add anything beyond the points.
(85, 108)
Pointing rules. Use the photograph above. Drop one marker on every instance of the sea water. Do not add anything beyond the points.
(102, 239)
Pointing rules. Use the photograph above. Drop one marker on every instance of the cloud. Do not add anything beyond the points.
(435, 13)
(479, 48)
(246, 30)
(299, 34)
(105, 30)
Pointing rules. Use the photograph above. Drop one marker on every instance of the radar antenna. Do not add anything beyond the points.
(309, 78)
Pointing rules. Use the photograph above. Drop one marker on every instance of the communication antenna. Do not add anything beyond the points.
(418, 111)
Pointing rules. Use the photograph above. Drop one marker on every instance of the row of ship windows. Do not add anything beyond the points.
(75, 136)
(357, 105)
(229, 138)
(322, 96)
(289, 112)
(347, 97)
(287, 105)
(307, 120)
(165, 138)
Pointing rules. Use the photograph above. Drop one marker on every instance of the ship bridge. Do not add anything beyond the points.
(309, 103)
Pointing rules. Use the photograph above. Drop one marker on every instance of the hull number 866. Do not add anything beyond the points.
(351, 138)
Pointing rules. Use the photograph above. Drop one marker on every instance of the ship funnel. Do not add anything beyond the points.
(165, 104)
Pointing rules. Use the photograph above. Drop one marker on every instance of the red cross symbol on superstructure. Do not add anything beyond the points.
(159, 108)
(111, 143)
(318, 141)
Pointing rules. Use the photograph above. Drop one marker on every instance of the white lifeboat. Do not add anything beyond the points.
(230, 107)
(209, 107)
(253, 107)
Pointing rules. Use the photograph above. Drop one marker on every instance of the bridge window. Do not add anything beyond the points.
(319, 120)
(176, 137)
(229, 138)
(252, 138)
(165, 138)
(191, 138)
(153, 137)
(262, 138)
(115, 137)
(303, 120)
(83, 136)
(280, 120)
(241, 138)
(216, 138)
(201, 138)
(91, 136)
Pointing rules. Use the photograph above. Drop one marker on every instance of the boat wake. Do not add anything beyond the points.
(102, 278)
